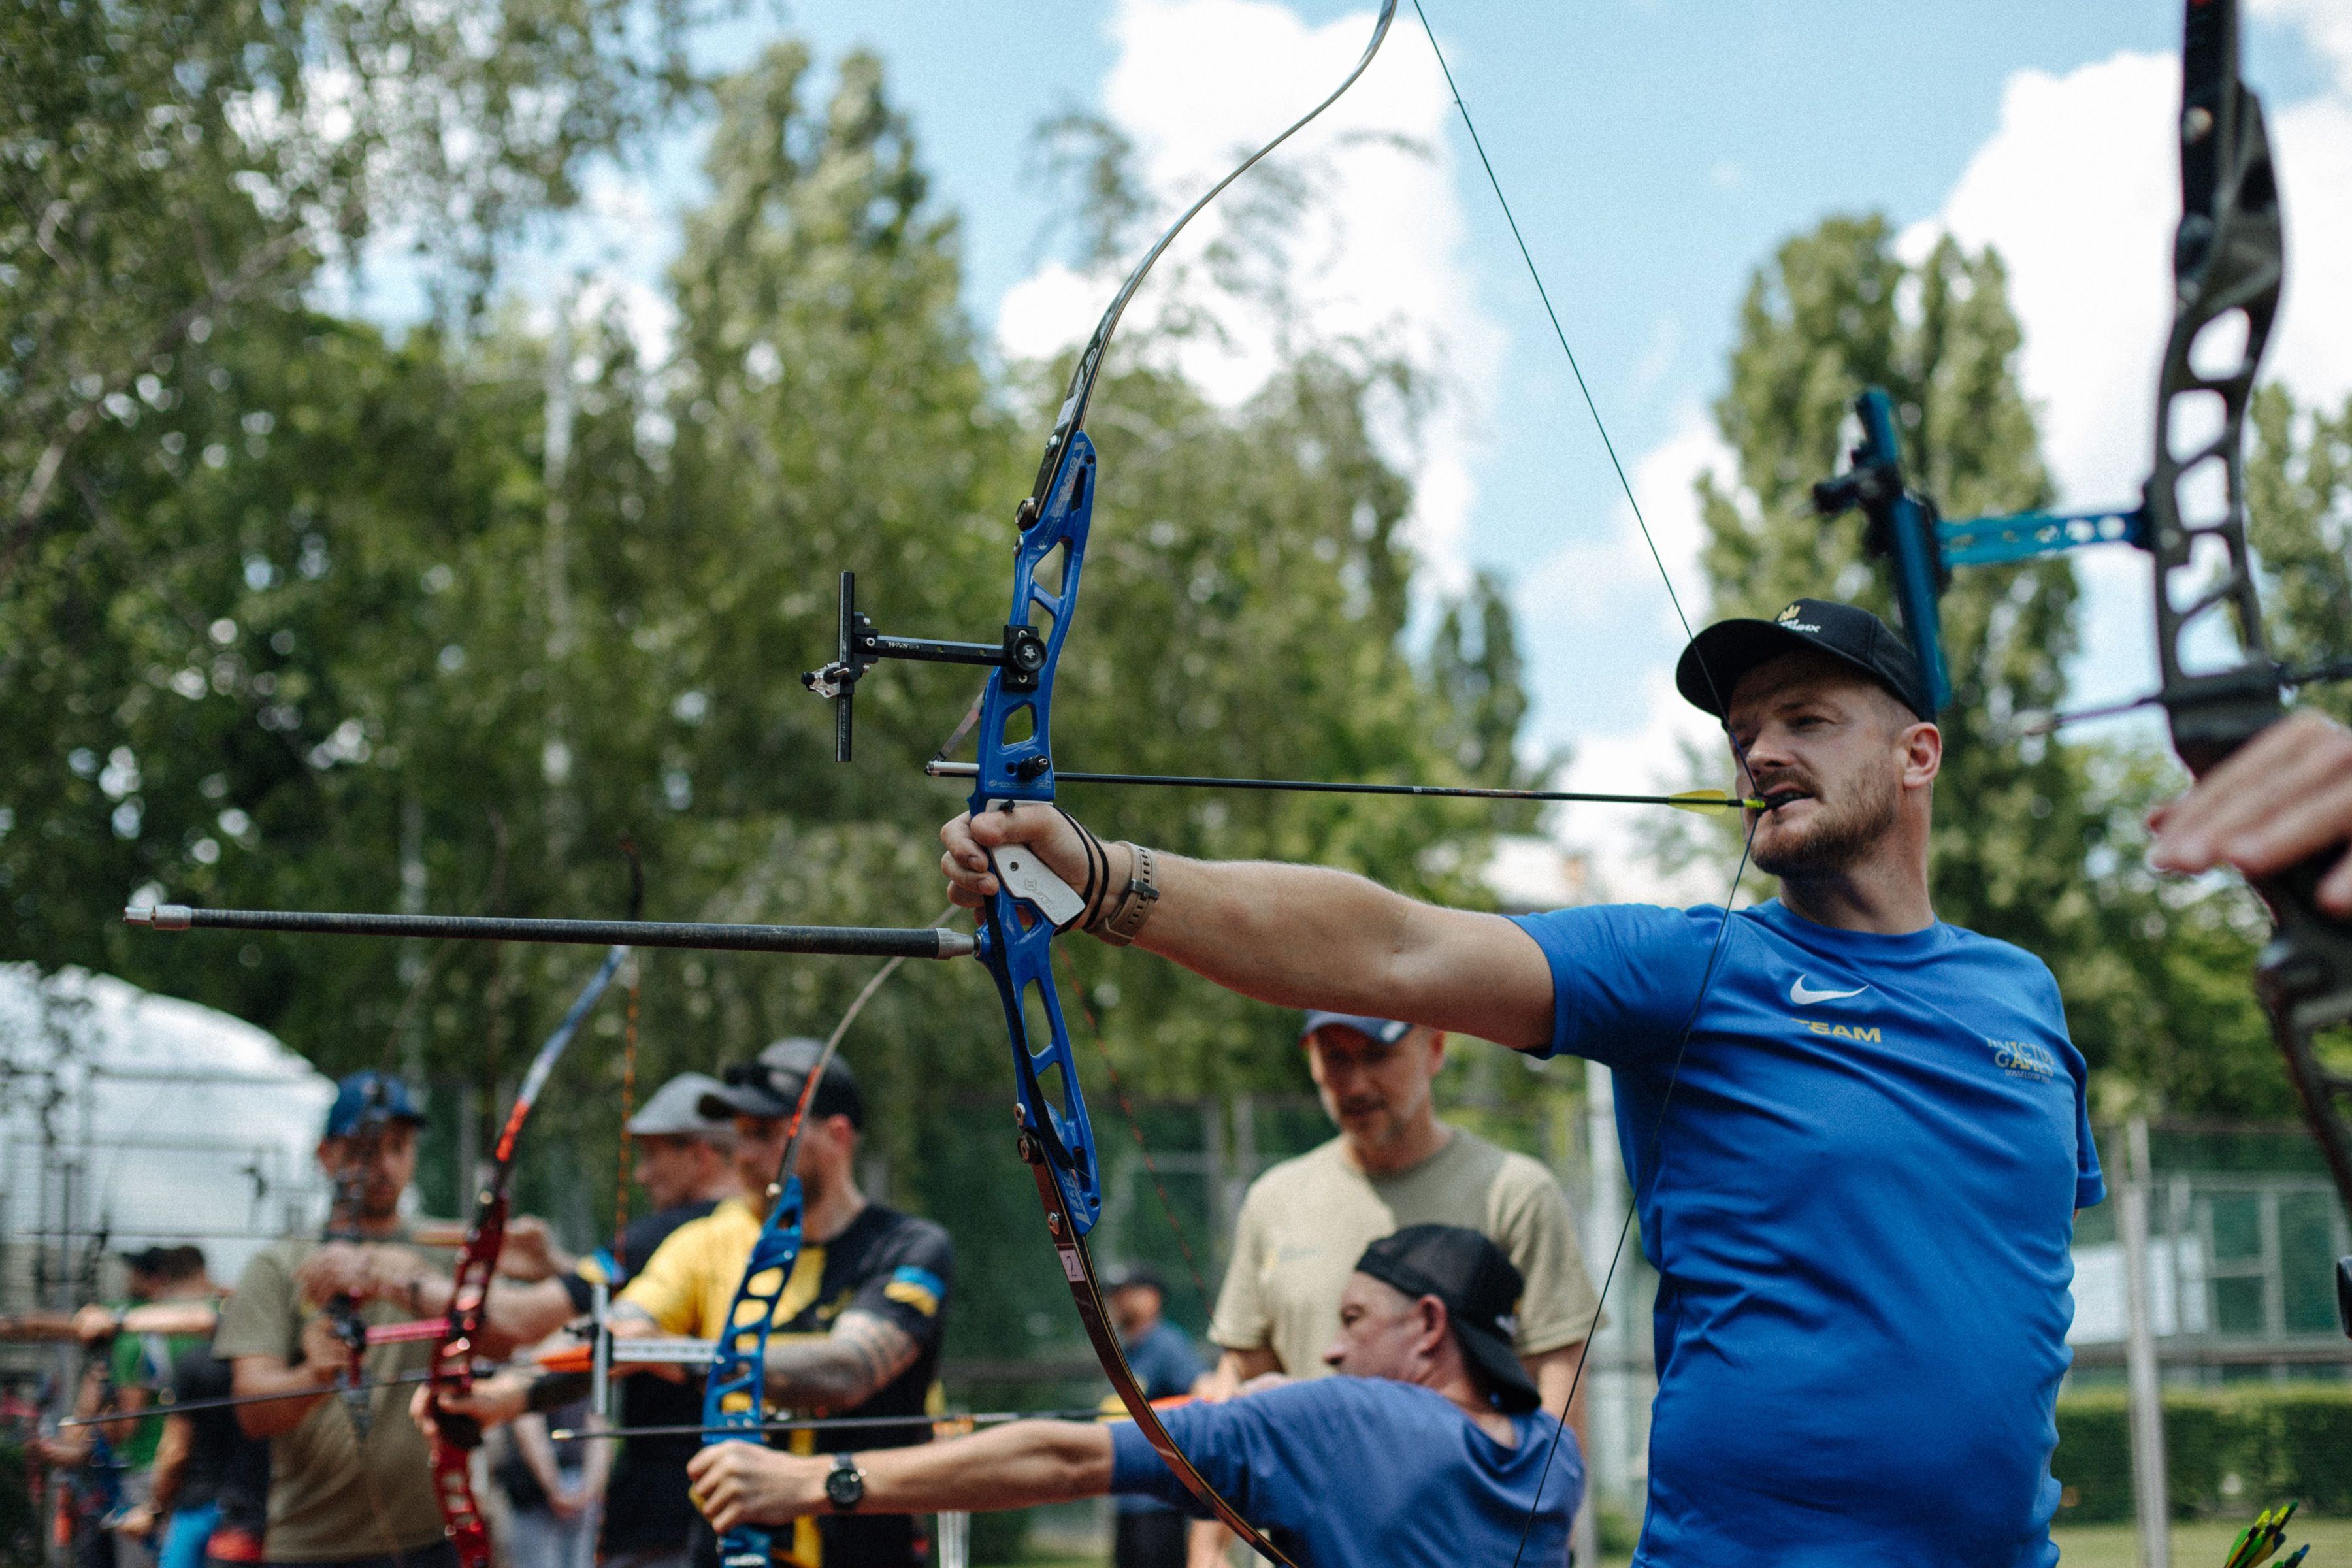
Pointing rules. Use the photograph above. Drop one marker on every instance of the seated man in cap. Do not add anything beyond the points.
(1393, 1164)
(1857, 1135)
(857, 1330)
(1427, 1448)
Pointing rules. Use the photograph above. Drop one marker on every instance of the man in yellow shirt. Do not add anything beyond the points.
(857, 1330)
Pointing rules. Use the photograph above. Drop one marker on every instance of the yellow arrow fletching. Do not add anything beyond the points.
(1707, 801)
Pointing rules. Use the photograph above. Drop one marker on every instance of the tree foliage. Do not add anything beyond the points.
(165, 161)
(324, 621)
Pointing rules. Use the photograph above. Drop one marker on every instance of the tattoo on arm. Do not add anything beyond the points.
(845, 1368)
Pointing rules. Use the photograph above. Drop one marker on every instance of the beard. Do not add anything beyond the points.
(1847, 829)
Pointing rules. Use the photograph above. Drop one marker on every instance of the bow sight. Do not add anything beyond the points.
(1021, 656)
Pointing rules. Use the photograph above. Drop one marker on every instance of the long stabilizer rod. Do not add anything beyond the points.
(851, 941)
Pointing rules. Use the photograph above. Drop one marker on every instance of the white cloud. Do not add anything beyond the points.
(2077, 190)
(2326, 26)
(1200, 83)
(1601, 610)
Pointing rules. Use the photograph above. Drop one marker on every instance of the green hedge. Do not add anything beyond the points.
(2278, 1440)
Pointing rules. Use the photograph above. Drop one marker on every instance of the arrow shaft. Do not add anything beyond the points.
(836, 941)
(1309, 786)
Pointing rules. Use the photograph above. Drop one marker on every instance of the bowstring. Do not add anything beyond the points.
(1723, 927)
(628, 1099)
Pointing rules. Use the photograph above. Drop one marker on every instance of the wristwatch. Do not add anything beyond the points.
(845, 1484)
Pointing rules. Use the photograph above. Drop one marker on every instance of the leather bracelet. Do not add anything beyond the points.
(1122, 921)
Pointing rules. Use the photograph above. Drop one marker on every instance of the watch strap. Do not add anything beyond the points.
(1123, 921)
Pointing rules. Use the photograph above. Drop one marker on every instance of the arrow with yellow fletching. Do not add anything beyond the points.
(2260, 1541)
(1705, 801)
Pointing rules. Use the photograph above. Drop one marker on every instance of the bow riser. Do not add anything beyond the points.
(2229, 265)
(1018, 936)
(735, 1396)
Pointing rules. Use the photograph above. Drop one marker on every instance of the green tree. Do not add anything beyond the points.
(163, 163)
(2299, 507)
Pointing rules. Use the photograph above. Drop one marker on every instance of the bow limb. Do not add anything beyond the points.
(452, 1366)
(734, 1392)
(1072, 418)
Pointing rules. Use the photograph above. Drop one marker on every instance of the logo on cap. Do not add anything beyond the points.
(1788, 618)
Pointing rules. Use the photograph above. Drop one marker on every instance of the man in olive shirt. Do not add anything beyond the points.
(345, 1488)
(1304, 1222)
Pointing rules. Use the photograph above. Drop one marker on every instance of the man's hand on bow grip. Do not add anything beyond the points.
(970, 880)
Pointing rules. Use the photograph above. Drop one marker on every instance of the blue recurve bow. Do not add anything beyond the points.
(1019, 923)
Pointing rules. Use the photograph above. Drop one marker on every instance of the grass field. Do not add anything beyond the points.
(2198, 1545)
(2201, 1545)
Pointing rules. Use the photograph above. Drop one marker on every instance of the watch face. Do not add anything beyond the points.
(845, 1487)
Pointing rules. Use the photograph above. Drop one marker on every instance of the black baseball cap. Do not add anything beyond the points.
(1719, 656)
(1480, 1291)
(770, 1085)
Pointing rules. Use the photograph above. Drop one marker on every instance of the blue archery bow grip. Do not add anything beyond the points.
(1901, 526)
(1017, 936)
(735, 1371)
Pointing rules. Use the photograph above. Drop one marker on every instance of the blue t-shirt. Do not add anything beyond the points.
(1364, 1472)
(1859, 1204)
(1164, 1364)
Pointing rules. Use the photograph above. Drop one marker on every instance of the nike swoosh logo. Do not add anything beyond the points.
(1804, 996)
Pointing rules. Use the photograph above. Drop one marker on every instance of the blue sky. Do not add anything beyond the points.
(1655, 152)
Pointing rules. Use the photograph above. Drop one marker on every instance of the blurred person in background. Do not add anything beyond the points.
(350, 1475)
(211, 1480)
(685, 1161)
(1149, 1532)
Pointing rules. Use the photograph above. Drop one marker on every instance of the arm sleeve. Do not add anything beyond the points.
(910, 1287)
(1215, 1438)
(1241, 1321)
(124, 1361)
(2090, 1183)
(668, 1287)
(1288, 1451)
(261, 1317)
(1530, 1219)
(1623, 976)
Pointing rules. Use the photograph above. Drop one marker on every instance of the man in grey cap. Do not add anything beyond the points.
(682, 1159)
